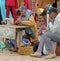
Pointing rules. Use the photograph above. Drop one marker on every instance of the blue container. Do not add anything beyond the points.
(25, 41)
(11, 41)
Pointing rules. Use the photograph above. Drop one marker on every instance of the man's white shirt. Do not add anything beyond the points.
(56, 26)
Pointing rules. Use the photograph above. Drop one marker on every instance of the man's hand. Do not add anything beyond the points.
(18, 21)
(51, 20)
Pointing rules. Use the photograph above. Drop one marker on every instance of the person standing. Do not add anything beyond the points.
(0, 17)
(3, 11)
(26, 4)
(11, 5)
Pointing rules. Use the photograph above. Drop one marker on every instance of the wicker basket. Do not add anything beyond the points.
(25, 50)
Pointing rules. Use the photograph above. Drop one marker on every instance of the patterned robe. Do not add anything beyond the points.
(31, 4)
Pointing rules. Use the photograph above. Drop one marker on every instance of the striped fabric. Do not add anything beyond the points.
(33, 5)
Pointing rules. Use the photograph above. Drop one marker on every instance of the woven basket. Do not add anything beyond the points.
(25, 50)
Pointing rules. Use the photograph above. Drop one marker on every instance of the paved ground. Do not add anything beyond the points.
(10, 56)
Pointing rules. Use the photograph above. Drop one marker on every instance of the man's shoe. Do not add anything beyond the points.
(13, 49)
(50, 56)
(36, 54)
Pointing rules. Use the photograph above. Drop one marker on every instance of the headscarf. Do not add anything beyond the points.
(28, 12)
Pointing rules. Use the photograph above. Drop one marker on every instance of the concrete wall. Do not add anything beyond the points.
(58, 6)
(42, 3)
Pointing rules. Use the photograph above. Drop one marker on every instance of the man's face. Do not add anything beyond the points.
(53, 15)
(23, 12)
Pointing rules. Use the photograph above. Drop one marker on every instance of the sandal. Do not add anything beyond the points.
(13, 49)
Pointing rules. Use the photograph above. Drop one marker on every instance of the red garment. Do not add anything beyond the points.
(11, 5)
(26, 3)
(13, 13)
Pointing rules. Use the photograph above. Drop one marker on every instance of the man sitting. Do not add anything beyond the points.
(26, 18)
(48, 37)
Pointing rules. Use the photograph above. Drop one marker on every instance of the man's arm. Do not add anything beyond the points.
(54, 27)
(29, 22)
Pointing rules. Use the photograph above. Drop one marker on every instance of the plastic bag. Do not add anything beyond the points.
(29, 32)
(2, 45)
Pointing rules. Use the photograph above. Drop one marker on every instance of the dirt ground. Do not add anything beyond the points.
(10, 56)
(6, 55)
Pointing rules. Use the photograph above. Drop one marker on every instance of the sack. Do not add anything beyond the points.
(29, 32)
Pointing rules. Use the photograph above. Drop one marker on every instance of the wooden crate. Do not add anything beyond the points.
(58, 49)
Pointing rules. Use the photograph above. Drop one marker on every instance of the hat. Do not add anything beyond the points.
(21, 8)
